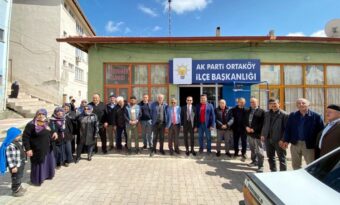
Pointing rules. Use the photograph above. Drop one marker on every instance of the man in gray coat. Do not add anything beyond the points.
(272, 134)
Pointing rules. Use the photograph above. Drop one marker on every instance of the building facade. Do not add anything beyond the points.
(5, 16)
(43, 67)
(290, 67)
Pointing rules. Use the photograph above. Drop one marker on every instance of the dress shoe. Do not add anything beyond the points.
(162, 152)
(187, 153)
(218, 154)
(77, 160)
(193, 153)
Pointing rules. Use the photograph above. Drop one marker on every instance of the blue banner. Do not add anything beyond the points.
(220, 71)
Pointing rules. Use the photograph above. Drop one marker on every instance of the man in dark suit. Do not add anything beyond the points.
(189, 123)
(206, 122)
(330, 137)
(239, 130)
(254, 123)
(99, 109)
(109, 119)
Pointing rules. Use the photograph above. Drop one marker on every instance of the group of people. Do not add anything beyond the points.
(62, 138)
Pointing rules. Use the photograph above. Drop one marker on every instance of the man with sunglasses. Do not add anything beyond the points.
(189, 123)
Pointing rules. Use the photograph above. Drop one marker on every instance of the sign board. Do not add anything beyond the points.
(188, 71)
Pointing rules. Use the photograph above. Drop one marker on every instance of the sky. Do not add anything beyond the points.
(201, 17)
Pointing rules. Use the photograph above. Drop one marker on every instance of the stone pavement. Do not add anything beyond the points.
(118, 178)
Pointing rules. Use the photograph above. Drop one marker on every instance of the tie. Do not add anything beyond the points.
(174, 116)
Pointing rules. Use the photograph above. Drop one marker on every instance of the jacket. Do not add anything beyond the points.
(256, 123)
(145, 110)
(120, 113)
(99, 110)
(240, 115)
(274, 130)
(209, 115)
(89, 128)
(330, 141)
(312, 126)
(154, 112)
(184, 116)
(221, 117)
(170, 113)
(128, 113)
(109, 114)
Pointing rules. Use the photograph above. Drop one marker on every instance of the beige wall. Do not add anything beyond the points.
(37, 59)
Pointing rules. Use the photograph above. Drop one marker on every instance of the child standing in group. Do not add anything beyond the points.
(13, 156)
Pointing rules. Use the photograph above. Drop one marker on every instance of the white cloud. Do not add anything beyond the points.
(147, 10)
(127, 30)
(156, 28)
(112, 27)
(319, 33)
(296, 34)
(182, 6)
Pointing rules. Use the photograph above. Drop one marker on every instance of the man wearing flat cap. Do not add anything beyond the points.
(330, 137)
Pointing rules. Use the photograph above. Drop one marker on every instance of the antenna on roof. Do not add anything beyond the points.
(332, 28)
(169, 16)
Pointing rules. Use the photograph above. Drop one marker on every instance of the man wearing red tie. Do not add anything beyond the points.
(173, 125)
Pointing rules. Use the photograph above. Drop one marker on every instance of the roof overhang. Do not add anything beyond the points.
(84, 43)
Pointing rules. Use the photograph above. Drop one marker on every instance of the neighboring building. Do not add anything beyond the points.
(5, 15)
(45, 68)
(293, 67)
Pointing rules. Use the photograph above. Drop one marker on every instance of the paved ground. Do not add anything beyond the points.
(118, 178)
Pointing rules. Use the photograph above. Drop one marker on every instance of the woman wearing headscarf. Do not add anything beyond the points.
(70, 129)
(62, 151)
(88, 129)
(37, 139)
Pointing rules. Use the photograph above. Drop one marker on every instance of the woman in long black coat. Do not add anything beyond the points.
(88, 129)
(37, 139)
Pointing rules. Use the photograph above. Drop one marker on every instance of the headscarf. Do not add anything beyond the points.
(12, 133)
(59, 121)
(39, 128)
(90, 110)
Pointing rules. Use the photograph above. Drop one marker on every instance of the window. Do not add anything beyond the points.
(271, 74)
(333, 73)
(65, 34)
(136, 79)
(293, 75)
(314, 75)
(79, 74)
(70, 65)
(117, 74)
(79, 55)
(159, 74)
(316, 98)
(139, 74)
(2, 33)
(64, 63)
(79, 29)
(291, 95)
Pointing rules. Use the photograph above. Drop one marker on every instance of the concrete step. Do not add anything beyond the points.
(31, 113)
(42, 103)
(10, 100)
(35, 107)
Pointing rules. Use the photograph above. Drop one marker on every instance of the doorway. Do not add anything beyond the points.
(195, 92)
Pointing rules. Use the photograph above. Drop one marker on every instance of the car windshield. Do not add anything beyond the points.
(327, 170)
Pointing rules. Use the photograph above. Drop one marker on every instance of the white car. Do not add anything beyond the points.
(318, 183)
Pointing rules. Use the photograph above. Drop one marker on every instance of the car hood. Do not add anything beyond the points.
(298, 187)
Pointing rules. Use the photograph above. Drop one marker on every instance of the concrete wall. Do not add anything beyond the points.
(5, 13)
(37, 59)
(33, 50)
(266, 52)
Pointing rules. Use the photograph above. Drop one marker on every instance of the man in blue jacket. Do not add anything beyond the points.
(206, 122)
(159, 120)
(301, 131)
